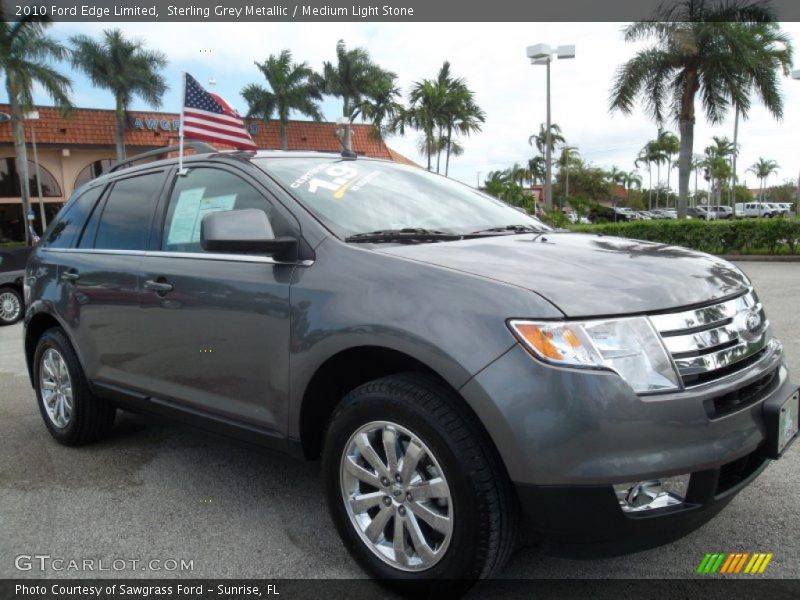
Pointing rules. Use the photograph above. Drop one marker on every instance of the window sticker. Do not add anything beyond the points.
(189, 211)
(333, 179)
(184, 216)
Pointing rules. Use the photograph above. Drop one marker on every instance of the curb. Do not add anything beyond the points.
(761, 257)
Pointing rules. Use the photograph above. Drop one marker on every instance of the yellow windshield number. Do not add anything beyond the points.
(338, 179)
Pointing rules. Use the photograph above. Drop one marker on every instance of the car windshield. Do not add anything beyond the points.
(363, 196)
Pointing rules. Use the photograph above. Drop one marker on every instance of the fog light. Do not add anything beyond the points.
(652, 494)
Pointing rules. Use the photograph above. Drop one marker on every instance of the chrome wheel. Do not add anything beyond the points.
(9, 307)
(56, 388)
(396, 496)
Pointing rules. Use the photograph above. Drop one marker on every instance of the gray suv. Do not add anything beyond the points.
(469, 377)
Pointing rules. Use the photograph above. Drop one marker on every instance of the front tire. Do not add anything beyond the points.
(72, 414)
(415, 487)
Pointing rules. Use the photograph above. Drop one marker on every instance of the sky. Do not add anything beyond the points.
(489, 56)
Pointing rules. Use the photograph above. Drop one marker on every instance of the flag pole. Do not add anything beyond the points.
(180, 137)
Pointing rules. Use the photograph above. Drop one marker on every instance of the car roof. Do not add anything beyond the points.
(223, 155)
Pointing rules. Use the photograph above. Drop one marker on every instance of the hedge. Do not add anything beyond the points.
(734, 236)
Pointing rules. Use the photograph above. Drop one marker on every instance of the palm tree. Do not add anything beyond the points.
(762, 169)
(460, 113)
(26, 57)
(441, 108)
(352, 78)
(719, 49)
(126, 68)
(540, 139)
(537, 168)
(717, 164)
(290, 90)
(381, 108)
(630, 179)
(569, 157)
(670, 145)
(649, 155)
(424, 113)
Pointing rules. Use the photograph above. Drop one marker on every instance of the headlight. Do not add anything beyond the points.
(631, 347)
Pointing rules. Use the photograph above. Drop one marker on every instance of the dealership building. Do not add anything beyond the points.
(78, 147)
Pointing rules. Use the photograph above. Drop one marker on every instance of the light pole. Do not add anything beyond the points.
(542, 54)
(34, 116)
(796, 75)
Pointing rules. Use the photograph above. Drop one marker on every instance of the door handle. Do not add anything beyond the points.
(159, 287)
(70, 275)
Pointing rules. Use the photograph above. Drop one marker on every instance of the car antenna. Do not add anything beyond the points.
(346, 153)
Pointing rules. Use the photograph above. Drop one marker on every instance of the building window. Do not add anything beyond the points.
(94, 170)
(9, 180)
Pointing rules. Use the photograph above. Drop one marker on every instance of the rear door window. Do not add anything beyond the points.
(128, 212)
(66, 228)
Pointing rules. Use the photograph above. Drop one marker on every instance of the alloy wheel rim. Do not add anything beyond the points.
(9, 306)
(396, 496)
(56, 388)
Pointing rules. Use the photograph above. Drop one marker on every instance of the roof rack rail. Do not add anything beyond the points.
(198, 147)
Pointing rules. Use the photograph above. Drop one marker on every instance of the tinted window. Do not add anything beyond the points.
(65, 229)
(125, 222)
(206, 190)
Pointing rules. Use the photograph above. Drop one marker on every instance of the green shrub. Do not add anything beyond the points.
(741, 236)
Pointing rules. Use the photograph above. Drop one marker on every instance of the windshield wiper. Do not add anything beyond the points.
(510, 229)
(409, 234)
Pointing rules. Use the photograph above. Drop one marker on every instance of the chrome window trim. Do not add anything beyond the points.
(227, 257)
(247, 258)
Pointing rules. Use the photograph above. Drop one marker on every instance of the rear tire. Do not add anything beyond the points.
(71, 412)
(428, 423)
(11, 306)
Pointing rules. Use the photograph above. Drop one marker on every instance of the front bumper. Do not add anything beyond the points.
(566, 436)
(587, 520)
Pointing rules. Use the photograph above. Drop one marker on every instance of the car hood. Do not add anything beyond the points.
(588, 275)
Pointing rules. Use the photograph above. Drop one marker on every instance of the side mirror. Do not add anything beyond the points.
(245, 231)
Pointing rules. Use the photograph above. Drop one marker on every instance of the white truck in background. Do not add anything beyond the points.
(755, 209)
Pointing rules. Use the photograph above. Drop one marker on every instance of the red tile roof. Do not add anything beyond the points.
(95, 127)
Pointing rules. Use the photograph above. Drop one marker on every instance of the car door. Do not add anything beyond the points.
(99, 274)
(216, 325)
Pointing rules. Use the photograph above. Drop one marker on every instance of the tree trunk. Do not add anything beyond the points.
(21, 153)
(438, 149)
(447, 158)
(348, 132)
(686, 127)
(282, 134)
(658, 182)
(120, 134)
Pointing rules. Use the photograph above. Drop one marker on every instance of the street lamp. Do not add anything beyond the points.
(34, 116)
(796, 75)
(542, 54)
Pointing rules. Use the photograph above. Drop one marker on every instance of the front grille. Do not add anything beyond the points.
(713, 341)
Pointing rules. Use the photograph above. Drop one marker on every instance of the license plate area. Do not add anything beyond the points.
(781, 420)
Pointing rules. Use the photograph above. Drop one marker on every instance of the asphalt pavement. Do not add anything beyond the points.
(158, 491)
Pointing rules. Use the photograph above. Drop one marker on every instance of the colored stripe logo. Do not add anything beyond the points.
(734, 563)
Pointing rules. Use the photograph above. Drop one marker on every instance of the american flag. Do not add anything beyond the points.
(207, 116)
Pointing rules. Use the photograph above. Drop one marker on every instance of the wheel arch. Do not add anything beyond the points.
(35, 327)
(343, 372)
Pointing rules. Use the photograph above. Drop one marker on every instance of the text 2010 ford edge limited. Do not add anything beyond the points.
(458, 366)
